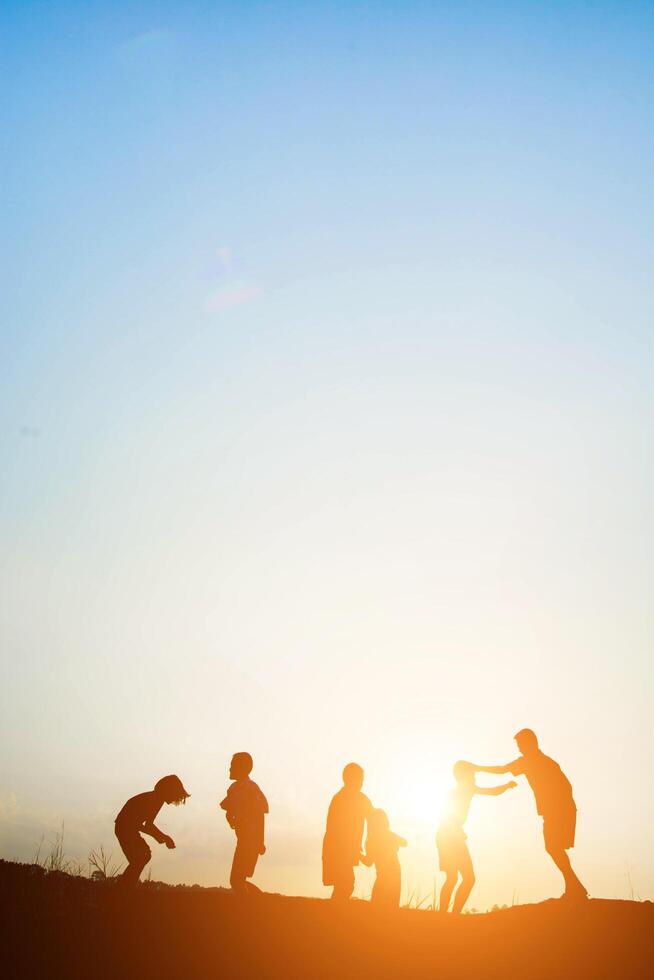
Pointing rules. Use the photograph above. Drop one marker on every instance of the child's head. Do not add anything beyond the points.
(171, 789)
(464, 772)
(526, 741)
(241, 765)
(353, 776)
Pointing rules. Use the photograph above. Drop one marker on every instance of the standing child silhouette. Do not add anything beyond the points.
(137, 817)
(382, 846)
(453, 854)
(245, 807)
(341, 846)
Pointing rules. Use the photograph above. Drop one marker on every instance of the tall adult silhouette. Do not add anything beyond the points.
(245, 808)
(341, 848)
(554, 802)
(137, 817)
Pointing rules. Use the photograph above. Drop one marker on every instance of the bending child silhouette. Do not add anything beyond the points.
(554, 803)
(382, 846)
(341, 847)
(137, 817)
(453, 854)
(245, 809)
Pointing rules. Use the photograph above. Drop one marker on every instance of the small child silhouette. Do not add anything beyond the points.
(137, 817)
(382, 846)
(245, 808)
(453, 854)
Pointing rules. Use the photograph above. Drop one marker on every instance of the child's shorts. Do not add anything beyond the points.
(559, 828)
(453, 853)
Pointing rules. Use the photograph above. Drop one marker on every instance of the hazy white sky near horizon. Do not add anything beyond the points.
(326, 416)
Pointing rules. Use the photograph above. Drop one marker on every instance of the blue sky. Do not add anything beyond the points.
(325, 347)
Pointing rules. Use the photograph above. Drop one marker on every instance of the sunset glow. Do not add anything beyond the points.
(326, 426)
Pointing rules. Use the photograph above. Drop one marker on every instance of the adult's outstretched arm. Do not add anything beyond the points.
(495, 790)
(496, 770)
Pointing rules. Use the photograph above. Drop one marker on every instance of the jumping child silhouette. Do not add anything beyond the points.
(245, 808)
(453, 854)
(137, 817)
(382, 846)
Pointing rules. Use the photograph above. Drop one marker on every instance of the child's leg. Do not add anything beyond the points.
(237, 874)
(562, 861)
(137, 853)
(395, 886)
(386, 889)
(245, 860)
(446, 891)
(559, 835)
(467, 881)
(343, 884)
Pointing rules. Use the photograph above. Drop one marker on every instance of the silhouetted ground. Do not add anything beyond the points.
(56, 925)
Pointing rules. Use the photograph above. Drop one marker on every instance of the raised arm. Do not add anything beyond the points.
(495, 790)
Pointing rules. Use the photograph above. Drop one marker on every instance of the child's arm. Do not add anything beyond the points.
(152, 831)
(495, 790)
(226, 805)
(496, 770)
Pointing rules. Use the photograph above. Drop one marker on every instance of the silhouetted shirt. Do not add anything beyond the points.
(458, 806)
(246, 807)
(139, 813)
(551, 787)
(382, 848)
(346, 816)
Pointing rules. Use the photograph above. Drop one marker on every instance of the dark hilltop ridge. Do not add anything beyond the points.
(59, 925)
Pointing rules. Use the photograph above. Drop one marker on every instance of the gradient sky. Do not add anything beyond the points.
(325, 416)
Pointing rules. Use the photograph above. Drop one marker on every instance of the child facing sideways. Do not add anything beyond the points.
(245, 808)
(137, 817)
(453, 854)
(382, 846)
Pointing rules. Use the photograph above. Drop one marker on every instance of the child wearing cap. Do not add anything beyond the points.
(137, 817)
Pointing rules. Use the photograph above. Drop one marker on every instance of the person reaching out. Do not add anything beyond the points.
(137, 817)
(341, 847)
(245, 808)
(554, 803)
(453, 854)
(382, 846)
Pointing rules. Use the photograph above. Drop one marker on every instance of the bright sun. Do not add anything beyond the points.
(417, 796)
